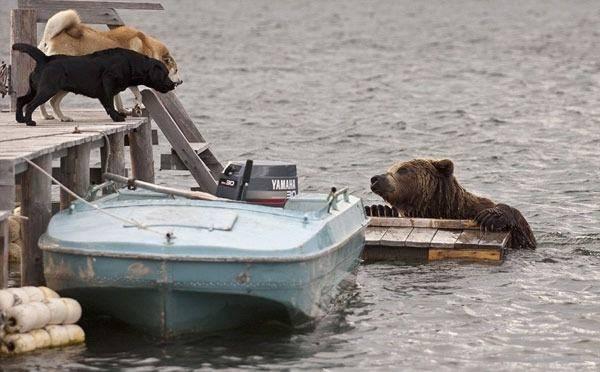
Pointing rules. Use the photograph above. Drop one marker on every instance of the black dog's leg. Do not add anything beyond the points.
(108, 101)
(40, 97)
(22, 101)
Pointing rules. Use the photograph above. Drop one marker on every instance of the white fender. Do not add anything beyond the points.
(35, 294)
(58, 310)
(58, 334)
(26, 317)
(42, 338)
(7, 300)
(18, 343)
(76, 333)
(21, 295)
(74, 311)
(48, 293)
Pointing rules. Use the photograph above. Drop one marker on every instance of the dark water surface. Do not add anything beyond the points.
(508, 90)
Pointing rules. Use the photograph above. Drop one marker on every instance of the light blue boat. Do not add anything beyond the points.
(201, 266)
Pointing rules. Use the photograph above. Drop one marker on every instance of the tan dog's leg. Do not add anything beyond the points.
(119, 105)
(45, 113)
(55, 103)
(137, 109)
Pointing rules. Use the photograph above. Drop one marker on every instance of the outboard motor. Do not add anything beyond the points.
(263, 182)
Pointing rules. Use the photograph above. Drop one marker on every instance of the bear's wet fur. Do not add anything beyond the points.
(428, 189)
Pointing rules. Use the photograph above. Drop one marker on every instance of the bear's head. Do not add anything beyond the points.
(417, 187)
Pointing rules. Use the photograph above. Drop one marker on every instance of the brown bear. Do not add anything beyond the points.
(428, 189)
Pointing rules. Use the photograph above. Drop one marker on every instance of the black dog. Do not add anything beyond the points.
(98, 75)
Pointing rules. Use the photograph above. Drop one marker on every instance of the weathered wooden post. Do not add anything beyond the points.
(7, 204)
(5, 247)
(140, 147)
(116, 160)
(37, 206)
(23, 24)
(115, 163)
(75, 173)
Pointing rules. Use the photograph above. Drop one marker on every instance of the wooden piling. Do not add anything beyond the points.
(7, 204)
(23, 30)
(75, 174)
(116, 160)
(140, 147)
(7, 184)
(37, 206)
(5, 247)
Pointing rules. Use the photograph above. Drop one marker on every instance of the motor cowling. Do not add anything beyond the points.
(270, 183)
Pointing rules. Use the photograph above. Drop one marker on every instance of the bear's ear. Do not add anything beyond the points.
(444, 166)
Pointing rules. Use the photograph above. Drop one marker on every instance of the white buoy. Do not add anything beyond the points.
(48, 293)
(18, 343)
(59, 335)
(7, 300)
(74, 310)
(76, 334)
(59, 311)
(20, 294)
(34, 293)
(26, 317)
(42, 338)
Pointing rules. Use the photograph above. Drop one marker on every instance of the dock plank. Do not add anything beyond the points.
(420, 237)
(54, 137)
(373, 235)
(396, 236)
(424, 222)
(494, 239)
(445, 238)
(468, 239)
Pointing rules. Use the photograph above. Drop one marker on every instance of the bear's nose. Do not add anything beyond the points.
(374, 179)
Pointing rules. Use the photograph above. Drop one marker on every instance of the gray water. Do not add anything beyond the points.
(507, 90)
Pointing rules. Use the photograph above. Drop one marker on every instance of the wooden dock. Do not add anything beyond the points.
(69, 144)
(424, 239)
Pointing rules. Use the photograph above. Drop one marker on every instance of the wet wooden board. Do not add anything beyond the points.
(396, 237)
(445, 238)
(374, 235)
(465, 254)
(54, 137)
(468, 239)
(422, 239)
(423, 222)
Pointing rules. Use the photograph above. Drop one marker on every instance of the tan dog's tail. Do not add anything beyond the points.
(58, 23)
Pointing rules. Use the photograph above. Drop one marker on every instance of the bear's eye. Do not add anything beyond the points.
(403, 171)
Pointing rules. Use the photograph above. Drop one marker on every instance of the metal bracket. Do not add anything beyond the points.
(92, 193)
(332, 198)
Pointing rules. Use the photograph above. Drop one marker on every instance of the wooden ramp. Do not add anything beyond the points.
(424, 239)
(190, 151)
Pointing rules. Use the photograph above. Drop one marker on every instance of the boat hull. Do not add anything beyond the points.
(168, 296)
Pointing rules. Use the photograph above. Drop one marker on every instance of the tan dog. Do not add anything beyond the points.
(65, 34)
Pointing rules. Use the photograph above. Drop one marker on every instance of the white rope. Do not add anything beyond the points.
(68, 191)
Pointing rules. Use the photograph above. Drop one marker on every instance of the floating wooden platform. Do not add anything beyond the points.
(423, 239)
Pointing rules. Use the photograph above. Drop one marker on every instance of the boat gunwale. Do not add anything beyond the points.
(111, 201)
(45, 244)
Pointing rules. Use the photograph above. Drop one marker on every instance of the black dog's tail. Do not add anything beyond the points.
(39, 56)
